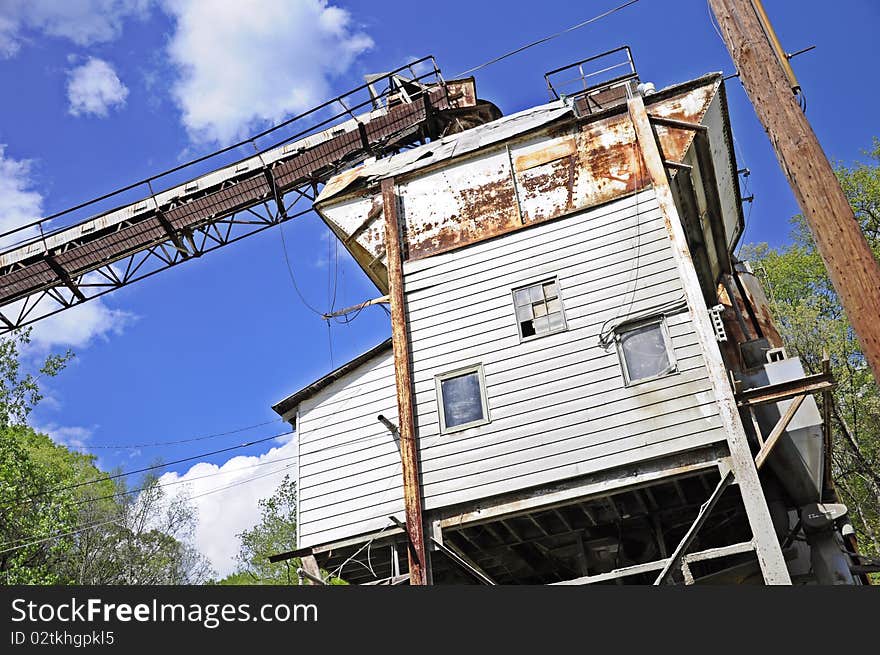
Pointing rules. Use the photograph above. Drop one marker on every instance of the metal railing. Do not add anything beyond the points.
(406, 81)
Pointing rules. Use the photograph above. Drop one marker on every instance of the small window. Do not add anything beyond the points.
(539, 309)
(645, 351)
(461, 398)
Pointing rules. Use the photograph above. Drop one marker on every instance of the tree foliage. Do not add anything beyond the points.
(274, 533)
(812, 322)
(63, 520)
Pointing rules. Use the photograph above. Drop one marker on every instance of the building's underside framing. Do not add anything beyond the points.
(616, 527)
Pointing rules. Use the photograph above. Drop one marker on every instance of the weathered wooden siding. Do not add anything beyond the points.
(558, 404)
(340, 443)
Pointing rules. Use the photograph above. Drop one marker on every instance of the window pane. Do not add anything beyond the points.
(462, 400)
(644, 350)
(542, 325)
(524, 313)
(534, 306)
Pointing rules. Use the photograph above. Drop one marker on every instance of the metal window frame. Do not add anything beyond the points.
(484, 400)
(539, 281)
(620, 330)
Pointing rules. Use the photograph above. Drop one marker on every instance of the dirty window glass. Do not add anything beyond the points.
(538, 309)
(462, 399)
(645, 352)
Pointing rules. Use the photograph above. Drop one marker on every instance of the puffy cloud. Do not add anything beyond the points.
(84, 22)
(79, 326)
(249, 62)
(227, 503)
(21, 204)
(93, 88)
(74, 437)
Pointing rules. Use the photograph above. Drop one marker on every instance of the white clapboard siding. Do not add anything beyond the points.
(558, 404)
(338, 423)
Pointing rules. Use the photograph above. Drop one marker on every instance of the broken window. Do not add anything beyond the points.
(461, 398)
(645, 351)
(539, 309)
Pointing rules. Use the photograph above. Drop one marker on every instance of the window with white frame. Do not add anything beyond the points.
(461, 398)
(645, 350)
(539, 309)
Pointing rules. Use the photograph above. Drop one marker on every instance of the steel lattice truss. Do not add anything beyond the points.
(52, 271)
(154, 258)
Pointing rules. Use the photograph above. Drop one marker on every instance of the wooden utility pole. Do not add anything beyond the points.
(409, 455)
(763, 71)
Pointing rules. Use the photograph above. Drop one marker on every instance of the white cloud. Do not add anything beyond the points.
(249, 62)
(74, 437)
(84, 22)
(94, 88)
(20, 204)
(224, 514)
(81, 325)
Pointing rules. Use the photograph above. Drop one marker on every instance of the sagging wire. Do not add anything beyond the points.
(606, 333)
(144, 469)
(92, 526)
(292, 276)
(174, 442)
(336, 572)
(547, 38)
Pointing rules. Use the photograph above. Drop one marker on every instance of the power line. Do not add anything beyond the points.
(115, 476)
(180, 441)
(292, 276)
(92, 526)
(128, 492)
(548, 38)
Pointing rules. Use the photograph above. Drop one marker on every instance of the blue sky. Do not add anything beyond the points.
(111, 91)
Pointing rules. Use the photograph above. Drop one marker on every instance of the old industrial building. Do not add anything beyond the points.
(583, 385)
(597, 390)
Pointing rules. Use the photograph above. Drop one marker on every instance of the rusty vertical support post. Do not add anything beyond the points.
(851, 265)
(409, 455)
(766, 544)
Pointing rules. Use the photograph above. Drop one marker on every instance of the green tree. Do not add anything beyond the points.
(63, 520)
(812, 321)
(30, 469)
(275, 533)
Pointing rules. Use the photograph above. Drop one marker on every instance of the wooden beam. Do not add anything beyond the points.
(409, 455)
(310, 570)
(691, 534)
(774, 393)
(766, 545)
(458, 556)
(852, 267)
(777, 431)
(647, 567)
